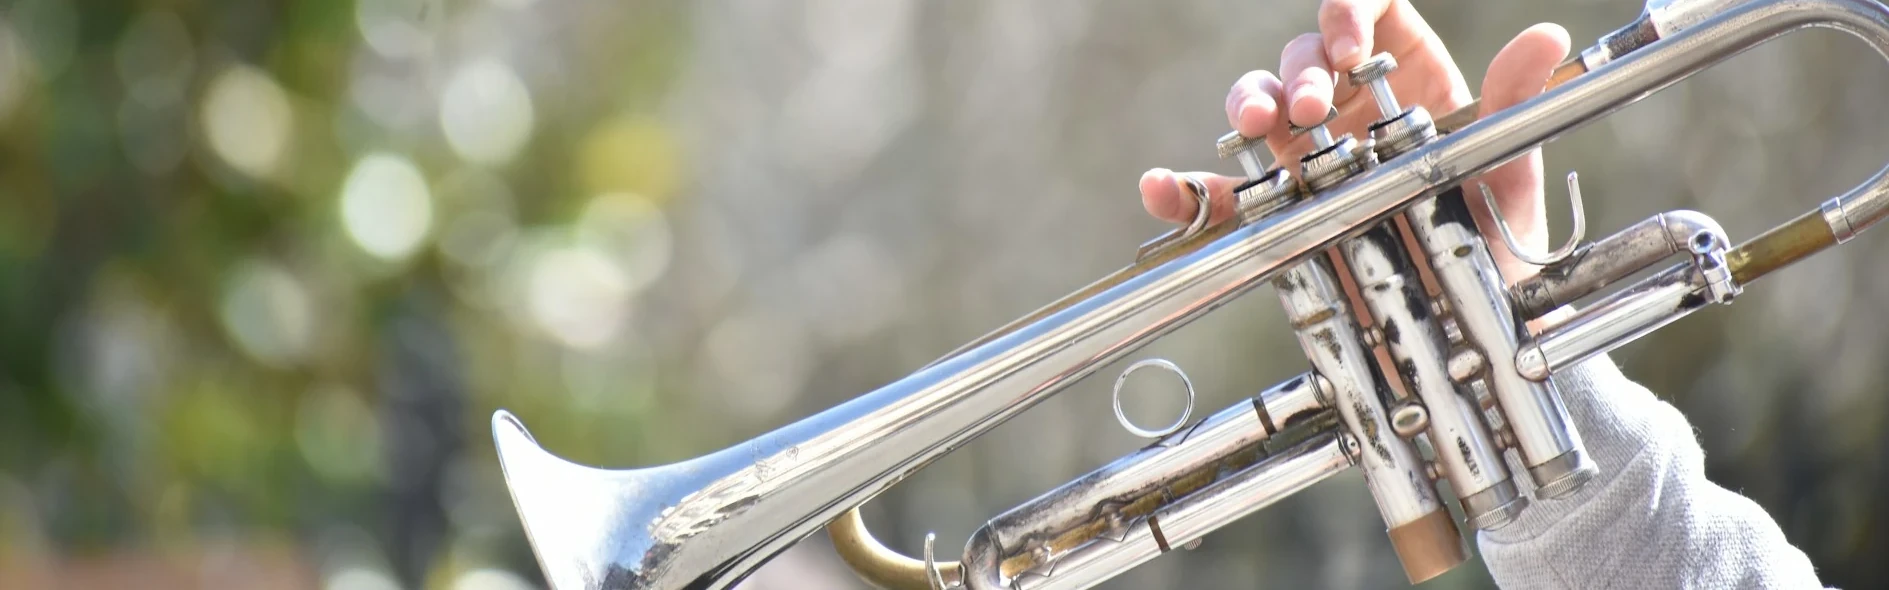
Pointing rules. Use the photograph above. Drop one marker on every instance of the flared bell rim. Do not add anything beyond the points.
(573, 515)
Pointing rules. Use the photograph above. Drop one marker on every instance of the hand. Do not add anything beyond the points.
(1350, 31)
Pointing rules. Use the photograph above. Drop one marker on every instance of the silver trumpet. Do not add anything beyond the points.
(1468, 377)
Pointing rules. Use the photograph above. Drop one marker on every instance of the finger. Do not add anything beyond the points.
(1308, 79)
(1165, 195)
(1356, 29)
(1350, 29)
(1522, 68)
(1253, 104)
(1518, 73)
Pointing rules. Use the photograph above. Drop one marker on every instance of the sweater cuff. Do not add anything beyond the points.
(1617, 419)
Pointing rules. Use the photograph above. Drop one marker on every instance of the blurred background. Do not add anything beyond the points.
(267, 268)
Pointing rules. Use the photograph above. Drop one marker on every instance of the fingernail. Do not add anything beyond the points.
(1250, 123)
(1342, 49)
(1239, 120)
(1296, 110)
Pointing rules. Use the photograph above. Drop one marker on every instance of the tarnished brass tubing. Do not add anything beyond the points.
(1783, 245)
(880, 565)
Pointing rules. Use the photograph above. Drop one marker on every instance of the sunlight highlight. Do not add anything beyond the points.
(485, 112)
(246, 118)
(385, 206)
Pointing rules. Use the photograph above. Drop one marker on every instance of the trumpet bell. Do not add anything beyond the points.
(574, 515)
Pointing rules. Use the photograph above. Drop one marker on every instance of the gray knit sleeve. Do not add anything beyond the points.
(1650, 519)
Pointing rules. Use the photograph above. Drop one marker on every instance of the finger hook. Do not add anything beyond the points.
(1203, 201)
(1508, 236)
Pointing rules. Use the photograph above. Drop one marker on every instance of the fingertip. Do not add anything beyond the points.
(1254, 97)
(1348, 26)
(1160, 194)
(1555, 34)
(1309, 108)
(1308, 94)
(1521, 69)
(1544, 43)
(1257, 116)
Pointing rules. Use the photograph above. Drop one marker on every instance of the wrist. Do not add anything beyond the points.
(1617, 420)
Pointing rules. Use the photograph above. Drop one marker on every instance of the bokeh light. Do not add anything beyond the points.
(485, 111)
(268, 313)
(15, 68)
(632, 232)
(247, 119)
(50, 30)
(337, 435)
(156, 58)
(398, 28)
(385, 206)
(630, 154)
(577, 295)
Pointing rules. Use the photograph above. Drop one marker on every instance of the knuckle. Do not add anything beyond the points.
(1256, 84)
(1311, 79)
(1338, 12)
(1305, 39)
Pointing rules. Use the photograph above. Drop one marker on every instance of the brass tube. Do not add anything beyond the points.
(880, 565)
(1783, 245)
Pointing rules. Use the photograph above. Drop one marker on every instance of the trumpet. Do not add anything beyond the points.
(1467, 386)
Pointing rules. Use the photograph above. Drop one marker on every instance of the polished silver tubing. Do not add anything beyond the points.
(1616, 320)
(1181, 523)
(1838, 220)
(1316, 309)
(1858, 209)
(708, 522)
(1228, 440)
(1387, 282)
(1862, 207)
(1285, 474)
(1294, 401)
(1618, 256)
(1670, 16)
(1676, 292)
(1533, 412)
